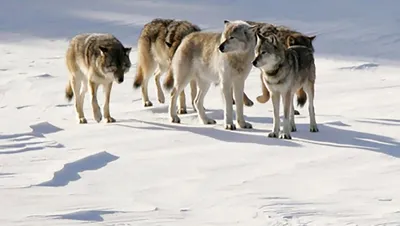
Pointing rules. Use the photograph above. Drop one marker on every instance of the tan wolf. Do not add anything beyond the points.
(157, 44)
(92, 60)
(209, 57)
(286, 70)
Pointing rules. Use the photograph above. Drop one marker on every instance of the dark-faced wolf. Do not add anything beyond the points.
(286, 70)
(93, 60)
(288, 37)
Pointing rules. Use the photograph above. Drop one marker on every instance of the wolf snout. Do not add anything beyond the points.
(221, 48)
(120, 80)
(254, 63)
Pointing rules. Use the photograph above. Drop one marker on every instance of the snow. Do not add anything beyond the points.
(144, 170)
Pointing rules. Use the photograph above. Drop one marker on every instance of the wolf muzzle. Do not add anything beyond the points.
(119, 76)
(222, 47)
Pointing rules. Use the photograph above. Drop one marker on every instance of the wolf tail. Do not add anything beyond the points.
(169, 80)
(68, 92)
(139, 78)
(145, 59)
(301, 97)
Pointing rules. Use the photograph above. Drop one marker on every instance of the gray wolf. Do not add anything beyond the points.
(289, 37)
(157, 44)
(92, 60)
(220, 58)
(286, 70)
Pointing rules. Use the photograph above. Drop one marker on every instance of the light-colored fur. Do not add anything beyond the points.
(286, 70)
(93, 60)
(220, 58)
(157, 44)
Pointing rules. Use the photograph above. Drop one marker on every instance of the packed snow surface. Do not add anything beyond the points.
(144, 170)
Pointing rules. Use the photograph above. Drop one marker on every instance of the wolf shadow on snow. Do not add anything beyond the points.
(330, 134)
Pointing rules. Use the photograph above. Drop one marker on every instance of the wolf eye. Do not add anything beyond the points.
(263, 52)
(231, 37)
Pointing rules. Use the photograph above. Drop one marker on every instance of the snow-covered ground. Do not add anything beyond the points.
(143, 170)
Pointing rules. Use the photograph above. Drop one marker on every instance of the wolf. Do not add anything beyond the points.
(157, 44)
(289, 37)
(211, 57)
(95, 59)
(286, 70)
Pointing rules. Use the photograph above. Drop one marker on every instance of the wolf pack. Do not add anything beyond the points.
(189, 55)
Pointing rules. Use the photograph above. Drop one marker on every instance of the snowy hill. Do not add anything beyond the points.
(143, 170)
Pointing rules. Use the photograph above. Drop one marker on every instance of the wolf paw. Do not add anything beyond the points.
(285, 136)
(245, 125)
(161, 99)
(314, 128)
(296, 112)
(230, 126)
(262, 100)
(182, 111)
(209, 121)
(248, 103)
(273, 135)
(110, 119)
(97, 116)
(148, 104)
(175, 119)
(82, 121)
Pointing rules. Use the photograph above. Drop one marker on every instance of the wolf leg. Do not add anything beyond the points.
(182, 103)
(226, 88)
(95, 105)
(287, 108)
(146, 66)
(292, 121)
(309, 89)
(247, 101)
(264, 97)
(276, 99)
(203, 86)
(107, 92)
(238, 87)
(193, 92)
(160, 93)
(76, 85)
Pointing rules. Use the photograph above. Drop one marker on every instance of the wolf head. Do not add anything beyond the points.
(301, 40)
(176, 31)
(270, 52)
(238, 36)
(114, 62)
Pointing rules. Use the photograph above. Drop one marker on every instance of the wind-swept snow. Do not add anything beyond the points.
(144, 170)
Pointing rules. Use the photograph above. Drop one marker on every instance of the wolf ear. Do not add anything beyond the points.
(168, 44)
(290, 41)
(312, 37)
(103, 50)
(272, 39)
(226, 22)
(253, 28)
(259, 36)
(127, 50)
